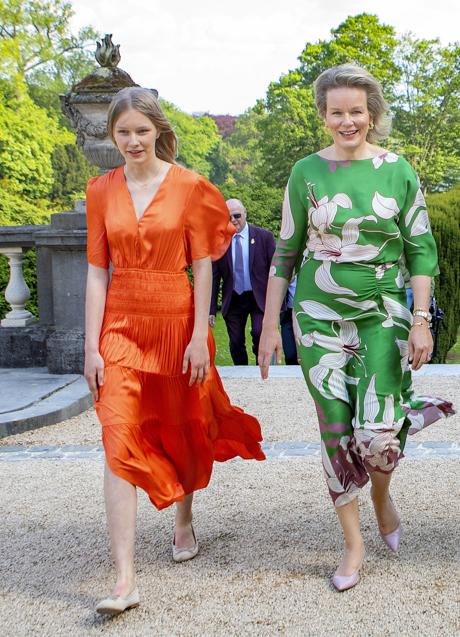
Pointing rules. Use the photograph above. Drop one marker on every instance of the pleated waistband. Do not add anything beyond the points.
(149, 293)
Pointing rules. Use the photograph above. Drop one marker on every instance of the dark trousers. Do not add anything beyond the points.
(287, 336)
(241, 306)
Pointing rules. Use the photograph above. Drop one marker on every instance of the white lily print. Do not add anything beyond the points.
(327, 246)
(325, 282)
(319, 311)
(332, 481)
(419, 202)
(296, 328)
(342, 347)
(399, 279)
(287, 220)
(379, 450)
(421, 224)
(333, 248)
(404, 353)
(397, 310)
(322, 214)
(371, 404)
(390, 158)
(384, 207)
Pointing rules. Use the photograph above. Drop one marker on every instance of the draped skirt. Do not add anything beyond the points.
(352, 327)
(159, 433)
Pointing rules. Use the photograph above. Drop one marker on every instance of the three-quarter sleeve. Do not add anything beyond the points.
(419, 245)
(208, 230)
(293, 233)
(97, 247)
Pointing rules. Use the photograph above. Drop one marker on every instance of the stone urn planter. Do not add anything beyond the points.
(86, 105)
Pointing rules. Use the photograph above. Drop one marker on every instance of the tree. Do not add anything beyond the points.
(292, 127)
(361, 40)
(427, 112)
(28, 137)
(243, 150)
(71, 171)
(291, 131)
(35, 34)
(197, 136)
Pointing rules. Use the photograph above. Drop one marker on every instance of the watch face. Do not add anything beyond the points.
(422, 313)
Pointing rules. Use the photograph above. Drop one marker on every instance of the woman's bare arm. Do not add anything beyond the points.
(197, 354)
(270, 339)
(420, 339)
(96, 292)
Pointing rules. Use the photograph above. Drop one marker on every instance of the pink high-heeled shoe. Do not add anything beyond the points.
(393, 539)
(344, 582)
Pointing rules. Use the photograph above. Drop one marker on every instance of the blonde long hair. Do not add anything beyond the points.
(142, 100)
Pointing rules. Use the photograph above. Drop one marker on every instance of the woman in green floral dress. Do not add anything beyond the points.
(349, 213)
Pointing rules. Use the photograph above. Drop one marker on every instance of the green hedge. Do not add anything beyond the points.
(444, 211)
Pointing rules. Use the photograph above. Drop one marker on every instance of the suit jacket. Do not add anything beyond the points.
(261, 249)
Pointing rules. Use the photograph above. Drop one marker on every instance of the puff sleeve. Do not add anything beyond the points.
(208, 231)
(419, 245)
(97, 248)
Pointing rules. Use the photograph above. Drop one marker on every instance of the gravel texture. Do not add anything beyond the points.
(268, 535)
(269, 543)
(283, 406)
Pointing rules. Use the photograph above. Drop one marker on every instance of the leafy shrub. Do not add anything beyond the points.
(444, 209)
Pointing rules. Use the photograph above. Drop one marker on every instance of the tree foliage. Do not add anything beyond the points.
(262, 202)
(28, 137)
(444, 209)
(427, 110)
(198, 138)
(250, 158)
(421, 80)
(360, 39)
(35, 34)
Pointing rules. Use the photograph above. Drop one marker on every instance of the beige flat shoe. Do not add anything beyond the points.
(182, 555)
(116, 605)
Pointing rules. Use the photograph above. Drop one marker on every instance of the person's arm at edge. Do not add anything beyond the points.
(96, 292)
(420, 340)
(197, 354)
(270, 340)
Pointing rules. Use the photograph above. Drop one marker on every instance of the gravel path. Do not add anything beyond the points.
(268, 534)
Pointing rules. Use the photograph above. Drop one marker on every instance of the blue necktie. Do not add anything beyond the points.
(238, 274)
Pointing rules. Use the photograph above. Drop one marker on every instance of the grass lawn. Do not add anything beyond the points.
(221, 337)
(223, 353)
(453, 357)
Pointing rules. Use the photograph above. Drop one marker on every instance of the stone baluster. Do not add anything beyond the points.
(17, 293)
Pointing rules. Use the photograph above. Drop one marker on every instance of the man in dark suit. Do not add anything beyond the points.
(244, 270)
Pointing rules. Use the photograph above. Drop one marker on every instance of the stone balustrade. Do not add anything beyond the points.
(14, 240)
(56, 338)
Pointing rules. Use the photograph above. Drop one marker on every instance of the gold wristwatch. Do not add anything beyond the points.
(422, 313)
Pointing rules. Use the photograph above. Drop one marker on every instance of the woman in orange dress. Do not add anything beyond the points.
(149, 351)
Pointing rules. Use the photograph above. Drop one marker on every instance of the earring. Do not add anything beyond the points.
(371, 126)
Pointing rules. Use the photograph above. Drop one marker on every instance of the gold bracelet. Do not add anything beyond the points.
(421, 324)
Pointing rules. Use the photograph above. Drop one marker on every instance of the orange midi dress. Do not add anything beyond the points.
(158, 433)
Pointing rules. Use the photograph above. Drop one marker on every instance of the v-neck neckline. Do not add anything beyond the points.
(155, 196)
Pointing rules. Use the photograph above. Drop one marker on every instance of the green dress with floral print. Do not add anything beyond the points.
(345, 225)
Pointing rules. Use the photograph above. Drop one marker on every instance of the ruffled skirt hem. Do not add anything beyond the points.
(163, 436)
